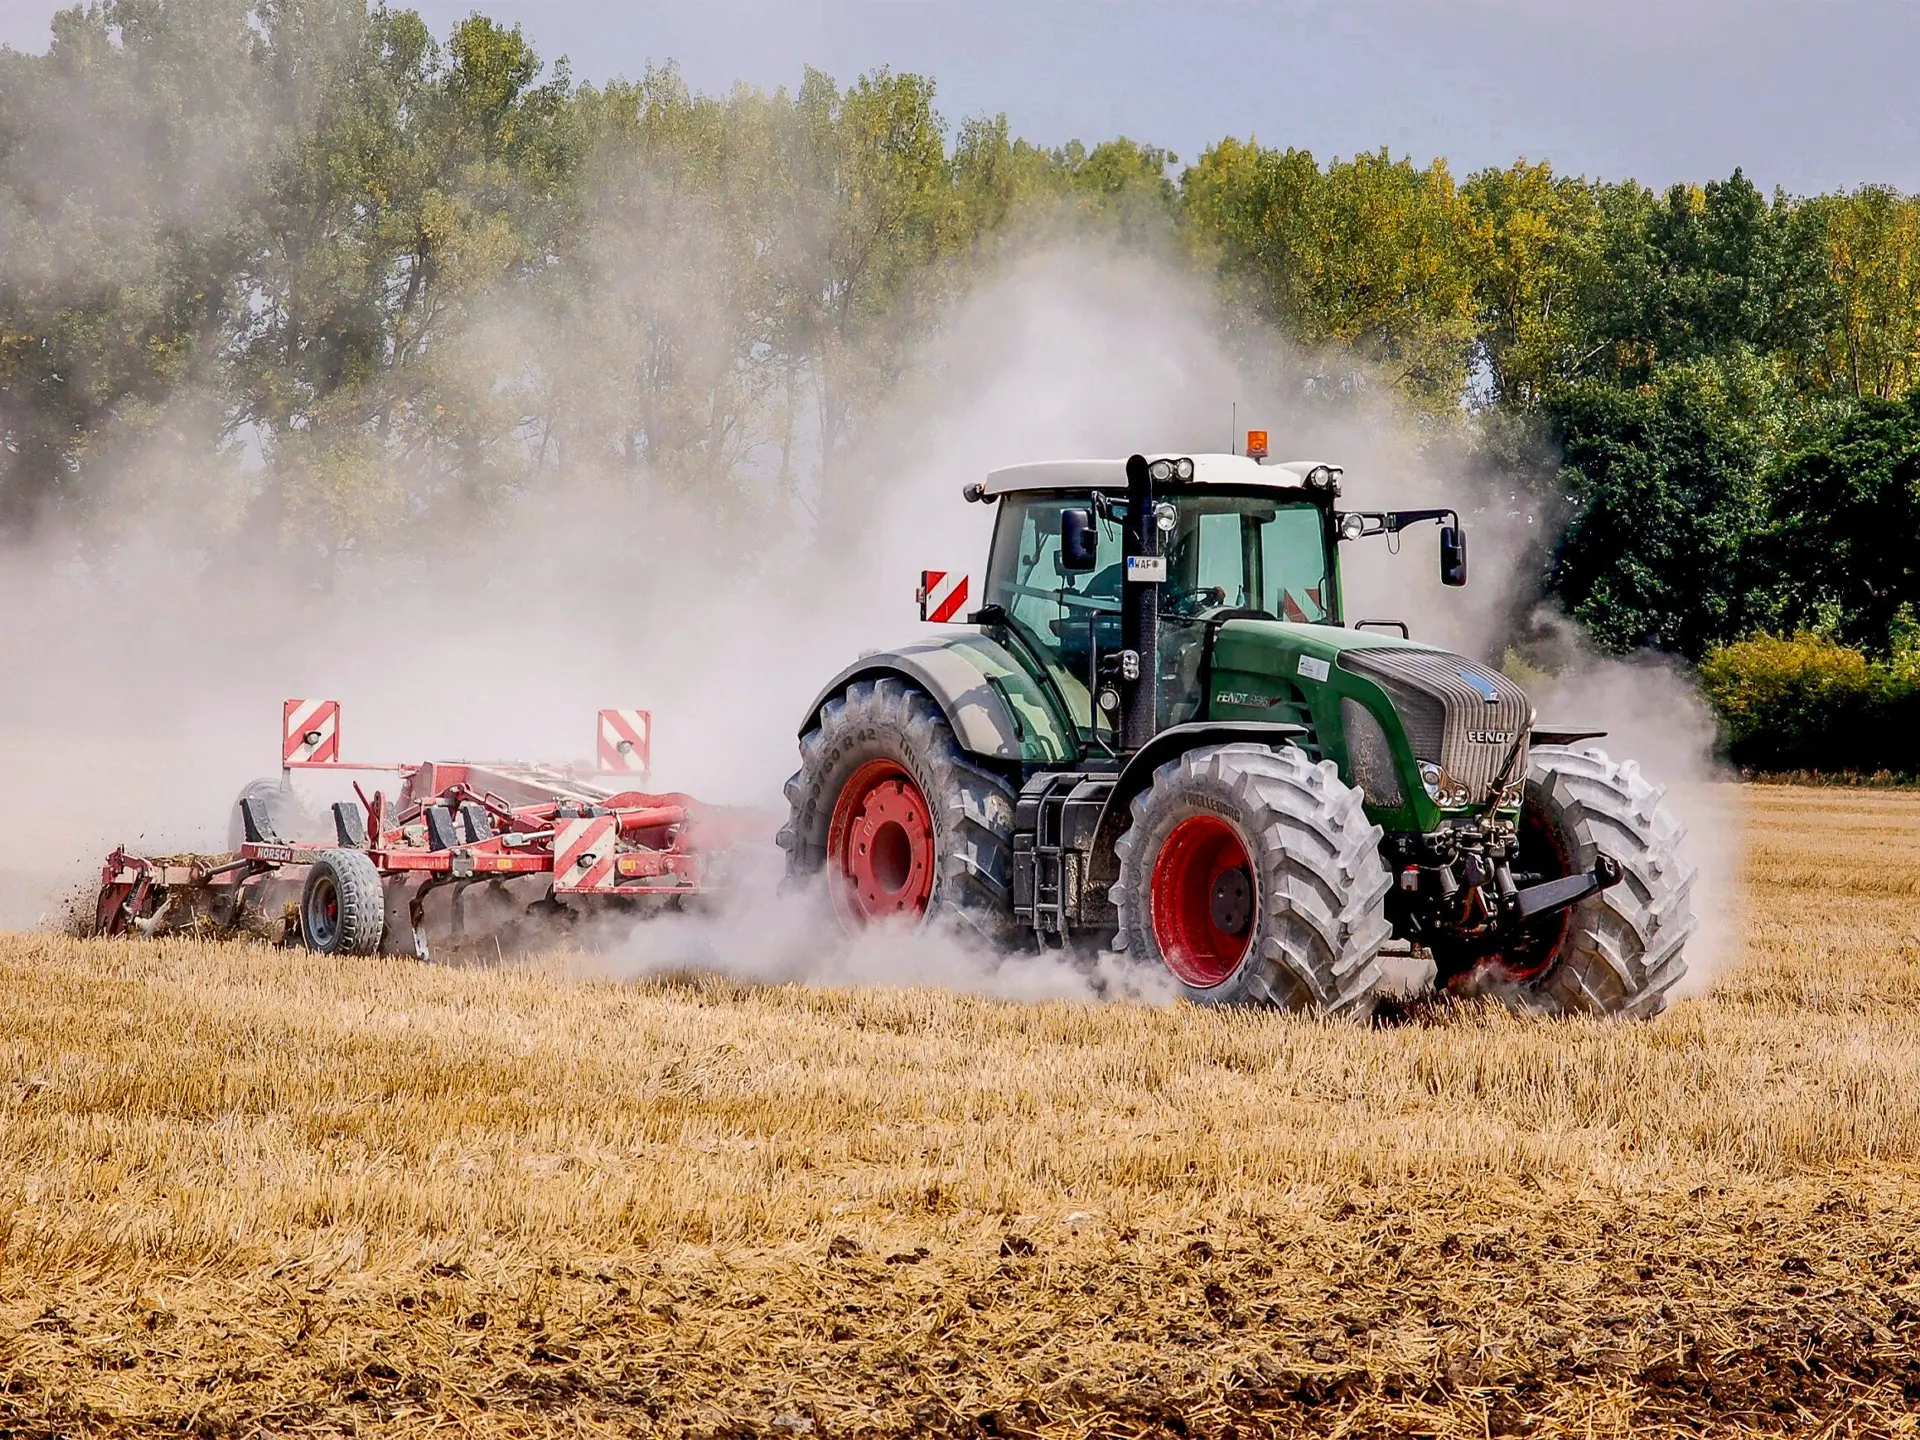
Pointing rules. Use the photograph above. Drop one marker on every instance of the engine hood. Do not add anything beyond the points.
(1454, 712)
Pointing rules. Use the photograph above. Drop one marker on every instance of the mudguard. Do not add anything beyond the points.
(1562, 734)
(996, 709)
(1175, 740)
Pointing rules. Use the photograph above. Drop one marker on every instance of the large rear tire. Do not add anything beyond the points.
(1619, 952)
(903, 823)
(1254, 876)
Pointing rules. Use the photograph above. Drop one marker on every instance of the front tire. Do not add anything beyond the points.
(1254, 876)
(1619, 952)
(903, 823)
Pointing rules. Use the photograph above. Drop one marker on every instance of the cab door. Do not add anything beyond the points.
(1070, 619)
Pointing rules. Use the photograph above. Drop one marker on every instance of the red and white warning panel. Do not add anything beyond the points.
(584, 854)
(310, 732)
(942, 596)
(626, 741)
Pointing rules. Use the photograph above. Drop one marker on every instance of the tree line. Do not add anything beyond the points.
(386, 276)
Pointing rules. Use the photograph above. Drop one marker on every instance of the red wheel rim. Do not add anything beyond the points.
(1201, 901)
(880, 846)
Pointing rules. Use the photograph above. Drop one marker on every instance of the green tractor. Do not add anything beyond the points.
(1159, 735)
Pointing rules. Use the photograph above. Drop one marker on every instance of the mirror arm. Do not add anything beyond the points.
(1392, 522)
(1398, 520)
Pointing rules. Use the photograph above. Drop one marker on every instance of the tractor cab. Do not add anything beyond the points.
(1236, 541)
(1220, 538)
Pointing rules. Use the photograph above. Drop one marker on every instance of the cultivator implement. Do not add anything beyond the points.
(543, 844)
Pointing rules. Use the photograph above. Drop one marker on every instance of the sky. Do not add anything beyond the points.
(1809, 96)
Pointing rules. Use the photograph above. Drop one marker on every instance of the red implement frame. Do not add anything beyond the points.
(457, 821)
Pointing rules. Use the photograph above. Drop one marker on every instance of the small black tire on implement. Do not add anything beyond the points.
(1619, 952)
(343, 905)
(1253, 875)
(888, 727)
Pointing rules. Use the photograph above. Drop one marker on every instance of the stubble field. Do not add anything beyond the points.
(244, 1190)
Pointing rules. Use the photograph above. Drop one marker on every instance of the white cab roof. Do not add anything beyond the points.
(1112, 474)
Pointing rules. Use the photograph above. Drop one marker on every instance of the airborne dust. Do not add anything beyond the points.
(144, 672)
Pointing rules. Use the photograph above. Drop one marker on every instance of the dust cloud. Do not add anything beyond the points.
(144, 673)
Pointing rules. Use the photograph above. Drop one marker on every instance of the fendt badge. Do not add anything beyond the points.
(1490, 737)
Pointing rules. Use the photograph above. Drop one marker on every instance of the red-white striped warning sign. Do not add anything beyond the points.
(626, 740)
(310, 732)
(583, 854)
(943, 595)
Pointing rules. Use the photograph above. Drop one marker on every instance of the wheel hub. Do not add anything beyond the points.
(1202, 900)
(880, 846)
(323, 914)
(1232, 907)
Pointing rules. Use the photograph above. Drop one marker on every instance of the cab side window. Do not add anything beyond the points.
(1064, 615)
(1294, 558)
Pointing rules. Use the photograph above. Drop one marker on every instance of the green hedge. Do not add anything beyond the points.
(1808, 703)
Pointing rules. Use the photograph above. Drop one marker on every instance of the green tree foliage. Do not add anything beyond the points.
(1700, 272)
(1872, 348)
(1533, 238)
(119, 150)
(1843, 551)
(1664, 485)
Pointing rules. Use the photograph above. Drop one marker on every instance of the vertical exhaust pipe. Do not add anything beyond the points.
(1140, 613)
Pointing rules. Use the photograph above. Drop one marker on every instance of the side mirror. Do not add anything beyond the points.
(1079, 541)
(1453, 554)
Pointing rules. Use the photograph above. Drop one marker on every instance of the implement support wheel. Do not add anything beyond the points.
(343, 907)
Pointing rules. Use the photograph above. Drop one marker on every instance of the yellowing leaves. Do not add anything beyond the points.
(1873, 250)
(1369, 256)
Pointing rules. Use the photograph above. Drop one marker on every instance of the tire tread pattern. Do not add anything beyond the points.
(1318, 853)
(363, 910)
(1625, 948)
(972, 806)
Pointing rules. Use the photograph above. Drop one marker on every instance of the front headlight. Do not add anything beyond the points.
(1445, 791)
(1430, 777)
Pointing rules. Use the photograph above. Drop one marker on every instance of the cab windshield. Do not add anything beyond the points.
(1248, 552)
(1254, 553)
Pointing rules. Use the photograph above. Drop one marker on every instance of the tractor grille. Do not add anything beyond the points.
(1461, 715)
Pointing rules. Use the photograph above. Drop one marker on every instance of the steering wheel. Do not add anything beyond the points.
(1211, 598)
